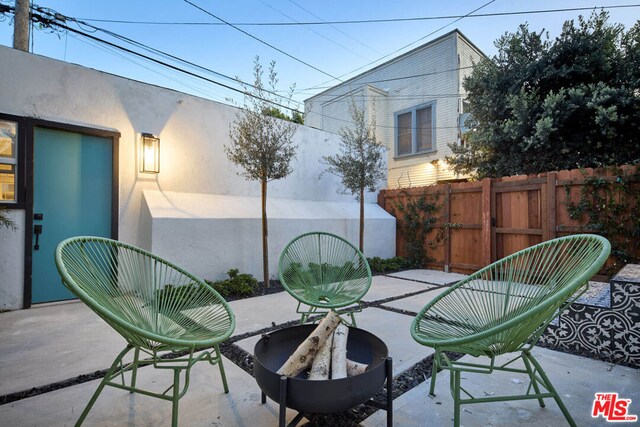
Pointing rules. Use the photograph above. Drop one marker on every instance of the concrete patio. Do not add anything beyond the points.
(50, 344)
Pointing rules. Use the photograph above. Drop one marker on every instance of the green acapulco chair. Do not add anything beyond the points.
(156, 306)
(504, 308)
(326, 273)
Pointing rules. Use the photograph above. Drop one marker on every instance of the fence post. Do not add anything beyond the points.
(552, 178)
(486, 221)
(447, 229)
(381, 199)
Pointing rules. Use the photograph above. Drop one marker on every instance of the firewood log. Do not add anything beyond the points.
(302, 358)
(355, 368)
(339, 352)
(321, 365)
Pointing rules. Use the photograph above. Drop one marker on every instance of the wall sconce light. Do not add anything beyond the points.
(150, 154)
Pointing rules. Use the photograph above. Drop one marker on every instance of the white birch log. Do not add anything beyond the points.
(321, 366)
(355, 368)
(302, 358)
(339, 352)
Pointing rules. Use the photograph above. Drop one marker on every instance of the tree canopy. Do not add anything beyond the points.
(359, 164)
(542, 105)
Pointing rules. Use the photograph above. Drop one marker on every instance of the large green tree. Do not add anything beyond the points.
(359, 164)
(542, 105)
(262, 142)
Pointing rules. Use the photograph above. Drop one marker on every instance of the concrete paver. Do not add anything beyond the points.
(383, 287)
(253, 314)
(576, 379)
(48, 344)
(430, 276)
(204, 404)
(416, 302)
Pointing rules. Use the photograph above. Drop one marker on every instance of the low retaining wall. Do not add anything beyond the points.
(207, 234)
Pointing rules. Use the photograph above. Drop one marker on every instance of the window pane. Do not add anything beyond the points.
(7, 183)
(423, 129)
(404, 134)
(8, 156)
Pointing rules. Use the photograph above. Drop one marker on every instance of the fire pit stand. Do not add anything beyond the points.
(322, 396)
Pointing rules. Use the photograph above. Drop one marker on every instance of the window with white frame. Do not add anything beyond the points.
(415, 130)
(8, 160)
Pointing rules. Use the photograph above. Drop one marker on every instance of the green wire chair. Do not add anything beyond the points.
(156, 306)
(504, 308)
(324, 272)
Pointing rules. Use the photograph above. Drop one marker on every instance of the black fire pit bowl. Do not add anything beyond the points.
(322, 396)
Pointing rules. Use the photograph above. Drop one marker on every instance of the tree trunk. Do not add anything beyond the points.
(265, 235)
(321, 365)
(339, 352)
(361, 244)
(302, 358)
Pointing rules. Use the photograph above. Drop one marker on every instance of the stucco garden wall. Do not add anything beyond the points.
(225, 231)
(192, 131)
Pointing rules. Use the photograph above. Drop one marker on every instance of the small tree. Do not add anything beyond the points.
(359, 165)
(261, 143)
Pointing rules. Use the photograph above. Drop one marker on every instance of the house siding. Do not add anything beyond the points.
(437, 81)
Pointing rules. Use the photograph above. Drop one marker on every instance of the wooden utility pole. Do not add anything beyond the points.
(21, 26)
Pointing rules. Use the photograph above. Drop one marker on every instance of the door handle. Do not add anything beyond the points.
(37, 230)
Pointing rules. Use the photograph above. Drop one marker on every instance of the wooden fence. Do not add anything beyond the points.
(480, 222)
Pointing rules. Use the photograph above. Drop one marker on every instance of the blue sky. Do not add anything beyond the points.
(336, 50)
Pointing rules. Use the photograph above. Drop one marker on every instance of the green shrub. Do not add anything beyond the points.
(241, 285)
(388, 265)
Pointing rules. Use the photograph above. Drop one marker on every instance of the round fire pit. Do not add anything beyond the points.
(321, 396)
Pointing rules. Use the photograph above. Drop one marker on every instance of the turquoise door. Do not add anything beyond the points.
(72, 185)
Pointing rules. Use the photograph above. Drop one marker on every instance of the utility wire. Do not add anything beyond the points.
(313, 31)
(364, 21)
(261, 41)
(412, 43)
(47, 21)
(57, 16)
(335, 28)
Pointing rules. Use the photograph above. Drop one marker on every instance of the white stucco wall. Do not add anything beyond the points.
(12, 262)
(192, 131)
(208, 234)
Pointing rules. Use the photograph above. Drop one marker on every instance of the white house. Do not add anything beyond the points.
(417, 100)
(70, 154)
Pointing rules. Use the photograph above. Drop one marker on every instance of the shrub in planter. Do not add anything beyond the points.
(237, 284)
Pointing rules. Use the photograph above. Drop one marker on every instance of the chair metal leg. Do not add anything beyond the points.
(176, 397)
(221, 366)
(353, 320)
(550, 388)
(533, 379)
(107, 377)
(434, 371)
(134, 369)
(456, 397)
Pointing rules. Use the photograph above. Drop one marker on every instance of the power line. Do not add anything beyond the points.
(261, 41)
(313, 31)
(432, 73)
(363, 21)
(335, 28)
(48, 22)
(414, 42)
(59, 17)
